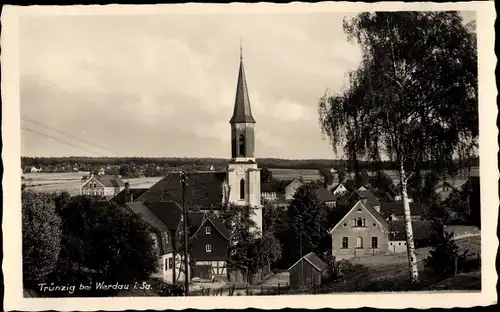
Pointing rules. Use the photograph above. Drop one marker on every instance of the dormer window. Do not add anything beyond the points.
(208, 230)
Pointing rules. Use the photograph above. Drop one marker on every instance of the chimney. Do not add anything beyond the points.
(128, 195)
(363, 200)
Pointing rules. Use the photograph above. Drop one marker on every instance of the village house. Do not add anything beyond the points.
(395, 211)
(35, 169)
(359, 230)
(339, 189)
(107, 186)
(307, 272)
(326, 197)
(280, 191)
(209, 240)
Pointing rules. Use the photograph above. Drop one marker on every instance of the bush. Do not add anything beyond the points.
(445, 256)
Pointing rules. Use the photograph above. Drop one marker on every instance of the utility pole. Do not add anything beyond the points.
(184, 210)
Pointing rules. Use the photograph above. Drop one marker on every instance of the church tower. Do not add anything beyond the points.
(243, 173)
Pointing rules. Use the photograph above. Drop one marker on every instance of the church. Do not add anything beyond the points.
(238, 184)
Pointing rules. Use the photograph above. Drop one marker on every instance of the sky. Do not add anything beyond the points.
(164, 86)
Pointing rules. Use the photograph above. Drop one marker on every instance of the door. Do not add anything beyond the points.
(204, 271)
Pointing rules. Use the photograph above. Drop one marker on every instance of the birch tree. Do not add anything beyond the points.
(413, 97)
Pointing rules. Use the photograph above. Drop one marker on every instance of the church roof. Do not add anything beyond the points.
(203, 190)
(242, 111)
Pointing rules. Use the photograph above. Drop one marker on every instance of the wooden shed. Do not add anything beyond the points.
(307, 272)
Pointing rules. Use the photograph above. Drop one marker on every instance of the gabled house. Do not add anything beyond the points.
(290, 187)
(339, 189)
(358, 230)
(281, 191)
(422, 233)
(395, 211)
(326, 196)
(208, 238)
(107, 186)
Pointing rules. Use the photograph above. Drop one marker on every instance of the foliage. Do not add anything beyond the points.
(41, 242)
(266, 175)
(445, 255)
(308, 221)
(273, 217)
(361, 179)
(381, 181)
(413, 97)
(103, 238)
(248, 249)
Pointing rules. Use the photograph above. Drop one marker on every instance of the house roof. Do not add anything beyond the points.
(387, 209)
(120, 197)
(336, 187)
(422, 229)
(324, 195)
(110, 181)
(344, 207)
(168, 212)
(314, 260)
(216, 223)
(203, 189)
(140, 209)
(242, 111)
(370, 198)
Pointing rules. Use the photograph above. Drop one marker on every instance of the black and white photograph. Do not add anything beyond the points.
(250, 150)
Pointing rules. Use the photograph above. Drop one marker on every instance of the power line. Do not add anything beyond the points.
(41, 124)
(61, 141)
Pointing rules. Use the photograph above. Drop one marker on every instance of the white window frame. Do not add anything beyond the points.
(208, 230)
(208, 248)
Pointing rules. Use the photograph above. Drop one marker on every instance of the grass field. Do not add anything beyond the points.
(71, 182)
(390, 272)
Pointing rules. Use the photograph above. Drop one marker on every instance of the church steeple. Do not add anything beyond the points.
(242, 112)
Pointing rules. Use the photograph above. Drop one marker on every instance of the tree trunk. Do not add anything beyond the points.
(410, 243)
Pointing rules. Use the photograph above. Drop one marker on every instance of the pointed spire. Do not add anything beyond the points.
(241, 50)
(242, 111)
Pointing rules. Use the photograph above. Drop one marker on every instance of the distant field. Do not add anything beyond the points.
(72, 181)
(289, 174)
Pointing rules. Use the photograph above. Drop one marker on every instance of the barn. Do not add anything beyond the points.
(307, 272)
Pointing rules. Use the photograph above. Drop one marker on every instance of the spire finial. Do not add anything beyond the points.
(241, 49)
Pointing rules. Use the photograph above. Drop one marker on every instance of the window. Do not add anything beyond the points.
(374, 224)
(241, 145)
(242, 189)
(359, 242)
(167, 262)
(170, 262)
(166, 238)
(208, 248)
(360, 222)
(374, 242)
(359, 210)
(345, 242)
(345, 224)
(208, 230)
